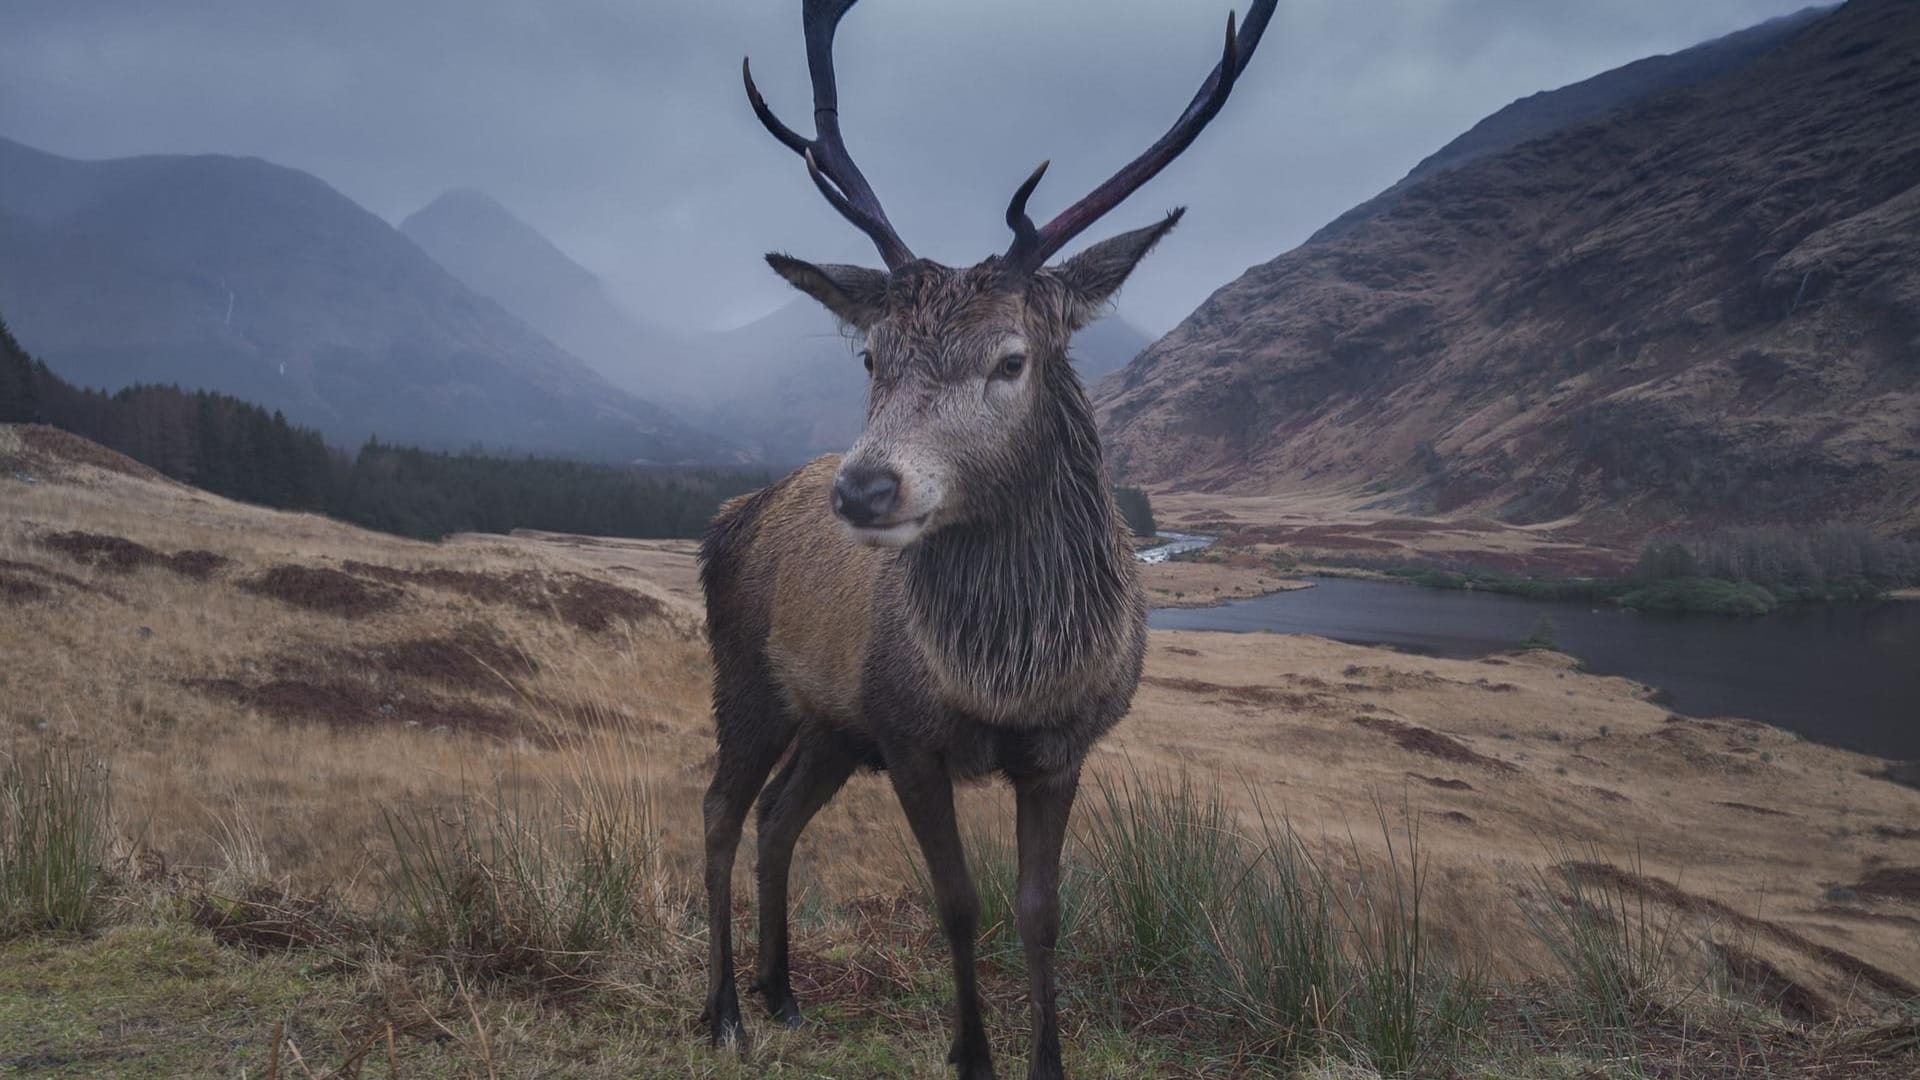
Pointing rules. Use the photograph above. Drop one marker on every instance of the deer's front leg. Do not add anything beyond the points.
(1044, 801)
(926, 794)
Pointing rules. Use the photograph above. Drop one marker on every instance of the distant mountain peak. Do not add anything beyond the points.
(463, 225)
(495, 253)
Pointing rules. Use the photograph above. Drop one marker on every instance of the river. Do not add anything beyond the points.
(1846, 675)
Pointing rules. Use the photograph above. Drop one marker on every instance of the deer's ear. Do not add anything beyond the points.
(857, 295)
(1096, 274)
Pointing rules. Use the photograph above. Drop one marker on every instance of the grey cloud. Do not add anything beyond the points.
(619, 128)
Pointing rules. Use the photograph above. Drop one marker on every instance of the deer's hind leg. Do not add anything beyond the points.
(753, 729)
(818, 767)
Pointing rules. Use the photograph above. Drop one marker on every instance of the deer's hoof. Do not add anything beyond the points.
(971, 1059)
(786, 1011)
(723, 1021)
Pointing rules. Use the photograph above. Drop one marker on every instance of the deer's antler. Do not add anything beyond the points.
(828, 162)
(1032, 247)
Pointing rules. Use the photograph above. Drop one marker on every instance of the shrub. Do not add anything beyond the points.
(1707, 595)
(1544, 634)
(53, 842)
(1829, 563)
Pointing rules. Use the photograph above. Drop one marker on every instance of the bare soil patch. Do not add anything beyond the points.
(593, 605)
(1442, 782)
(1761, 980)
(15, 589)
(196, 563)
(1749, 808)
(22, 582)
(502, 588)
(119, 555)
(1266, 697)
(588, 603)
(1431, 743)
(341, 704)
(319, 588)
(1891, 883)
(470, 656)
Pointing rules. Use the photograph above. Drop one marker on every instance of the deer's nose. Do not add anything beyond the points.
(864, 495)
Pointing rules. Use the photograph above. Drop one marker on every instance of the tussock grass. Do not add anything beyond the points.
(53, 841)
(1244, 940)
(1169, 866)
(1612, 943)
(538, 883)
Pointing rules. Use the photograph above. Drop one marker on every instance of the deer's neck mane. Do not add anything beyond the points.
(1037, 602)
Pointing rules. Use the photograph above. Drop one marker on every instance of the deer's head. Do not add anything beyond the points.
(971, 399)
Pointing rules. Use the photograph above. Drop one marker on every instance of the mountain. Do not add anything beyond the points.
(1539, 115)
(790, 382)
(497, 255)
(1107, 346)
(238, 275)
(1702, 307)
(788, 386)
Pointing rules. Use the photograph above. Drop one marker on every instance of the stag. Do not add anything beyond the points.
(954, 597)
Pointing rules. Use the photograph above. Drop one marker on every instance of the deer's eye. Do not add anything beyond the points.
(1011, 366)
(866, 357)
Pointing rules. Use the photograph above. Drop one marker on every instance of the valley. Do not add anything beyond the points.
(316, 759)
(265, 690)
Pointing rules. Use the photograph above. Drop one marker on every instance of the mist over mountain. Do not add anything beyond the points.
(1703, 306)
(238, 275)
(500, 256)
(787, 386)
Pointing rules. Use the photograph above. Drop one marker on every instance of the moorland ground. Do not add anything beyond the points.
(350, 784)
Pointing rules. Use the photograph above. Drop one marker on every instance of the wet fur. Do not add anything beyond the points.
(1007, 639)
(1015, 635)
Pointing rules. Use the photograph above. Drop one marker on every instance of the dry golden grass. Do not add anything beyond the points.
(1747, 833)
(1348, 523)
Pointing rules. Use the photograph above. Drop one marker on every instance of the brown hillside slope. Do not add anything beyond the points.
(1706, 306)
(263, 686)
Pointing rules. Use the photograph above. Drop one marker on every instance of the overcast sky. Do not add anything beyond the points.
(619, 129)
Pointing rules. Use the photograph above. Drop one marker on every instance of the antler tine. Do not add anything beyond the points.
(1026, 238)
(828, 162)
(1032, 247)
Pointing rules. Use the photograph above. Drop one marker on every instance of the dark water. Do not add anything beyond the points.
(1843, 674)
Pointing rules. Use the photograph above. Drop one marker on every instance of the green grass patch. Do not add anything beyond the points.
(53, 841)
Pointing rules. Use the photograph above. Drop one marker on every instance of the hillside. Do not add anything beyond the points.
(238, 275)
(278, 699)
(1702, 307)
